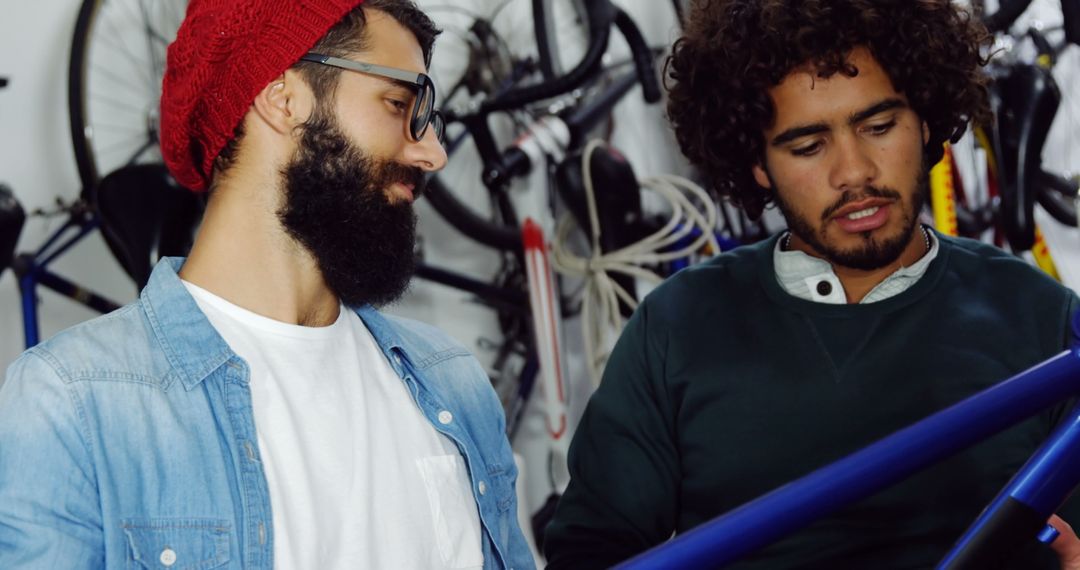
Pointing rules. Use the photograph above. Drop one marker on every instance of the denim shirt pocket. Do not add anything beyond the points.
(177, 543)
(502, 483)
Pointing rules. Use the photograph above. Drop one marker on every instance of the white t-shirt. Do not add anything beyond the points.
(358, 477)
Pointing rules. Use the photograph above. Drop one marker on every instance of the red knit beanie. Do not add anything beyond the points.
(225, 52)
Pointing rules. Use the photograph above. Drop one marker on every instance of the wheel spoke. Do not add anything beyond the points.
(119, 40)
(116, 77)
(116, 103)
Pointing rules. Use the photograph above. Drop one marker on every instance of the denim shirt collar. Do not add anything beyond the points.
(193, 346)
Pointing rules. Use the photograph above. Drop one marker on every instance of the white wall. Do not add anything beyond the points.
(36, 160)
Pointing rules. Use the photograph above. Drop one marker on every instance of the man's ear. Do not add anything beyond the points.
(761, 177)
(284, 103)
(925, 133)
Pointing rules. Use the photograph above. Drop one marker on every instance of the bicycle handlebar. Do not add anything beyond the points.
(643, 57)
(601, 14)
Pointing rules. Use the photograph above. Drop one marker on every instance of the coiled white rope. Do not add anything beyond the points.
(601, 320)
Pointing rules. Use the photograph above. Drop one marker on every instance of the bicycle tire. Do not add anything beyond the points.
(76, 88)
(100, 145)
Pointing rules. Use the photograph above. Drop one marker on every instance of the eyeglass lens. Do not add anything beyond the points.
(422, 111)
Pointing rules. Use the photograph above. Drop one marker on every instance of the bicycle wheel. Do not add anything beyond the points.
(114, 82)
(481, 58)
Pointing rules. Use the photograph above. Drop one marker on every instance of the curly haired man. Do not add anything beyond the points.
(778, 358)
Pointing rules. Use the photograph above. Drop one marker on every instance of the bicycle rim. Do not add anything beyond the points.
(114, 82)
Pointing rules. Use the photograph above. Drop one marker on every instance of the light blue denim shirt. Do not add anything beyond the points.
(129, 441)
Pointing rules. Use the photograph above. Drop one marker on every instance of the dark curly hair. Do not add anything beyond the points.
(733, 51)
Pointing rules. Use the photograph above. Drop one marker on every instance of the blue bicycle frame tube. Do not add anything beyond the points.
(1020, 511)
(724, 242)
(32, 271)
(38, 275)
(888, 461)
(27, 292)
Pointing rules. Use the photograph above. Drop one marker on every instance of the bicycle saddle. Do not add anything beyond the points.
(145, 215)
(11, 223)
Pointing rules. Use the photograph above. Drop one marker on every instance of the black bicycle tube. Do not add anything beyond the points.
(543, 46)
(500, 297)
(643, 57)
(1056, 194)
(1042, 45)
(581, 120)
(467, 222)
(1007, 13)
(1070, 11)
(972, 223)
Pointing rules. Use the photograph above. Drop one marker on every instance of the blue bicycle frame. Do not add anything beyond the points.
(1016, 515)
(32, 271)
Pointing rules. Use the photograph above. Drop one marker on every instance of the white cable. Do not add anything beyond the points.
(600, 315)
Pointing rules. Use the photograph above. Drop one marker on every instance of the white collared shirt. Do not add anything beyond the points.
(813, 279)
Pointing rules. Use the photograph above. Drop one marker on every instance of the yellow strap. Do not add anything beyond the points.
(1041, 251)
(984, 142)
(943, 195)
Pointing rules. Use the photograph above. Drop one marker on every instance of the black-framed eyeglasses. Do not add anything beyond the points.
(423, 108)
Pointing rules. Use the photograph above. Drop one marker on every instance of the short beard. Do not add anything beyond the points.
(873, 253)
(336, 206)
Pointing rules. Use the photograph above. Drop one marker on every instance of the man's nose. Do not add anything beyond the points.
(428, 153)
(853, 167)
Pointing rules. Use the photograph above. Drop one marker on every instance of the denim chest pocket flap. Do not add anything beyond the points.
(177, 544)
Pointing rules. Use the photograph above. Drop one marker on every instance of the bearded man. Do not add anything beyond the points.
(253, 409)
(770, 361)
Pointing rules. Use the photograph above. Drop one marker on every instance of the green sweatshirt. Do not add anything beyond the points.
(724, 387)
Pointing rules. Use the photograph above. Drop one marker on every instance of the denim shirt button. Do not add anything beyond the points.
(168, 557)
(482, 487)
(445, 417)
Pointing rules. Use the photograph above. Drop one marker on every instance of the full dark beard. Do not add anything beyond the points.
(336, 206)
(873, 253)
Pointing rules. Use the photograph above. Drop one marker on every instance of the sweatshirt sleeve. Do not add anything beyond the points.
(49, 506)
(623, 493)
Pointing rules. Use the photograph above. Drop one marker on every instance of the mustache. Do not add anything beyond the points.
(392, 172)
(849, 197)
